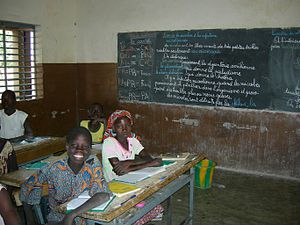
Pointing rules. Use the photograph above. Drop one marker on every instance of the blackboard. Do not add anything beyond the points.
(241, 68)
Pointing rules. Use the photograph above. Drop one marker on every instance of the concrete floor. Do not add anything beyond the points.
(241, 199)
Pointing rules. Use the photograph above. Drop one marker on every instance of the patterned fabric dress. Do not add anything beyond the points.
(8, 161)
(64, 185)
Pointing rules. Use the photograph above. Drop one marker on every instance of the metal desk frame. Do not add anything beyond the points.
(157, 198)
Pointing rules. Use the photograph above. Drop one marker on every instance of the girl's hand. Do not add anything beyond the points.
(156, 162)
(122, 167)
(68, 220)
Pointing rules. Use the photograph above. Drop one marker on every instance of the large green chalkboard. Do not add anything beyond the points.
(240, 68)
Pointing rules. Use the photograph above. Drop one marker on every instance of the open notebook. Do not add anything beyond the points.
(82, 198)
(139, 175)
(167, 163)
(36, 165)
(120, 188)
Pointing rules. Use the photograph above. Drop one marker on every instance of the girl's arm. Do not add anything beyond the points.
(7, 210)
(27, 129)
(141, 161)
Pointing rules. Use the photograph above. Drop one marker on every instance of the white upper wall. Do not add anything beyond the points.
(100, 21)
(85, 31)
(57, 20)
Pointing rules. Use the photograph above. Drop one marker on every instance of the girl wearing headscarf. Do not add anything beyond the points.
(122, 152)
(115, 115)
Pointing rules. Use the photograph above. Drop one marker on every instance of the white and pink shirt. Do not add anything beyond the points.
(113, 149)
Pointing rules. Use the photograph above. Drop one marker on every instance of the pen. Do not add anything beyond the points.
(131, 197)
(187, 162)
(190, 161)
(162, 178)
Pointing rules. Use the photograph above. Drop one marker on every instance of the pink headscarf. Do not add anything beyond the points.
(112, 119)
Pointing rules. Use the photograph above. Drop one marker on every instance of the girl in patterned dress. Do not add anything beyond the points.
(67, 178)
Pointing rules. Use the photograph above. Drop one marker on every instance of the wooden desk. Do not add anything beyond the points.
(39, 148)
(18, 177)
(155, 190)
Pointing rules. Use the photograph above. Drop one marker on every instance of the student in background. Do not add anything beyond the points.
(8, 214)
(96, 123)
(67, 178)
(14, 123)
(123, 153)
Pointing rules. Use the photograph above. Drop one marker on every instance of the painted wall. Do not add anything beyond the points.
(97, 83)
(86, 31)
(56, 113)
(57, 20)
(100, 21)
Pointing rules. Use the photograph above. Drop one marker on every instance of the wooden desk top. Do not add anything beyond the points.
(16, 178)
(148, 186)
(40, 147)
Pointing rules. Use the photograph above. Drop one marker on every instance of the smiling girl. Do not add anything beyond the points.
(67, 178)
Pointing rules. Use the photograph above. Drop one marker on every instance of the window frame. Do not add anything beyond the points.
(25, 74)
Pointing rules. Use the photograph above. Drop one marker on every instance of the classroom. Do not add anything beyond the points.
(78, 54)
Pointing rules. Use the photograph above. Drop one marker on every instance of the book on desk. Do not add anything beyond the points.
(36, 165)
(121, 189)
(82, 198)
(142, 174)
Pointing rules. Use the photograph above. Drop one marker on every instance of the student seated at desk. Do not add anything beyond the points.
(66, 179)
(8, 214)
(14, 123)
(96, 122)
(123, 153)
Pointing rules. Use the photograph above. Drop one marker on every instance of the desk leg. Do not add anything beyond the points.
(191, 197)
(38, 213)
(169, 213)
